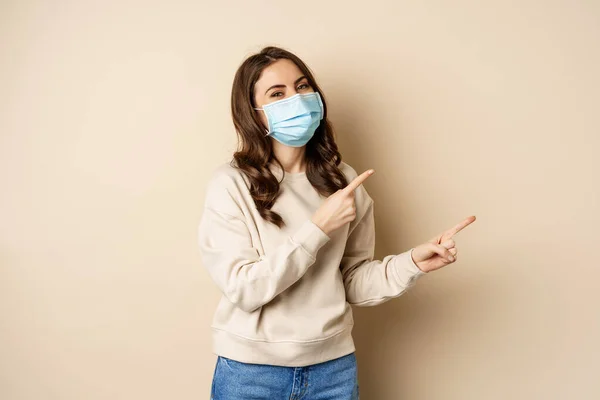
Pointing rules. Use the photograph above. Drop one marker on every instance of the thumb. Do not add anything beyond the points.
(428, 250)
(449, 244)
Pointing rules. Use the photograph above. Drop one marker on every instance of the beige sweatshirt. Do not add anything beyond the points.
(287, 294)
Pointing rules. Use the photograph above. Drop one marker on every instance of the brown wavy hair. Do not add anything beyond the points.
(255, 151)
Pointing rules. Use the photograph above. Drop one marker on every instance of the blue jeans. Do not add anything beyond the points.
(332, 380)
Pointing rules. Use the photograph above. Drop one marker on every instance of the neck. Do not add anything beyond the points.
(291, 158)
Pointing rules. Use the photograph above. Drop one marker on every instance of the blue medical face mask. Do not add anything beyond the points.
(293, 121)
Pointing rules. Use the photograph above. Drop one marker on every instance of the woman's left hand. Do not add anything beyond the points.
(440, 250)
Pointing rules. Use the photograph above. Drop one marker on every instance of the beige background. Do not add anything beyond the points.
(113, 114)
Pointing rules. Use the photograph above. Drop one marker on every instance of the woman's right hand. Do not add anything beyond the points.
(339, 209)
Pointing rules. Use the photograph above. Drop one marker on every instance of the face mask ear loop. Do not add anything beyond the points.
(262, 109)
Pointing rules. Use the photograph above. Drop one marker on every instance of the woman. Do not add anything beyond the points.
(288, 236)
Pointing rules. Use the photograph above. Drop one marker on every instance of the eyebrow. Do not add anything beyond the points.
(282, 86)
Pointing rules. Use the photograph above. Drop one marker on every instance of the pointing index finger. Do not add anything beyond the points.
(457, 228)
(356, 182)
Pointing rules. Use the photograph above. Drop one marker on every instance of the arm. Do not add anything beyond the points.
(246, 278)
(370, 282)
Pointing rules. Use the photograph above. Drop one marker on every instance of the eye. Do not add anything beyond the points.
(303, 86)
(276, 94)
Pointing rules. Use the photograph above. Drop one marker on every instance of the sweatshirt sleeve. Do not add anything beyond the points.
(370, 282)
(245, 277)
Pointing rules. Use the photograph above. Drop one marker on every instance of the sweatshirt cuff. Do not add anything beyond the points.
(405, 269)
(310, 237)
(418, 271)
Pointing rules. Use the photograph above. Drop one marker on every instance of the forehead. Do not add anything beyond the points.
(281, 72)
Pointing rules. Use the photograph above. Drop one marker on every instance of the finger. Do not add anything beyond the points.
(453, 251)
(457, 228)
(358, 180)
(443, 240)
(441, 251)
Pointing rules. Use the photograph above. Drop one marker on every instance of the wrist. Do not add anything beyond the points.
(414, 262)
(319, 224)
